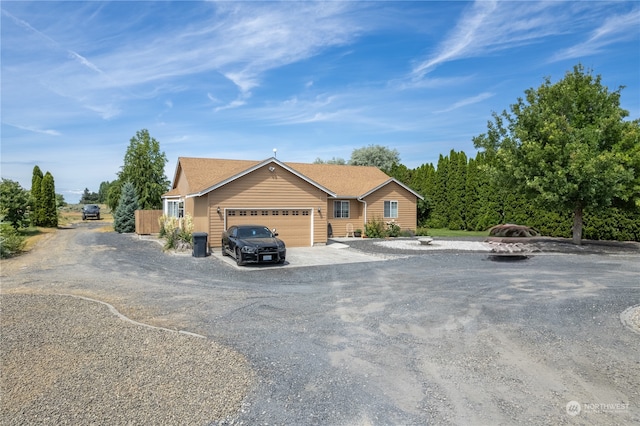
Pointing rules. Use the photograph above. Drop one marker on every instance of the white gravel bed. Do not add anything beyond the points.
(66, 360)
(435, 245)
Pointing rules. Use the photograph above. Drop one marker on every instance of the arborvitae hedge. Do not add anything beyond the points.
(460, 195)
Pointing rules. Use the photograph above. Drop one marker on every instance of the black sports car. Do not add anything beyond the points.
(253, 244)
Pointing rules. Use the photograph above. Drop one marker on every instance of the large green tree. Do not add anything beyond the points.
(14, 203)
(375, 155)
(144, 167)
(562, 145)
(103, 192)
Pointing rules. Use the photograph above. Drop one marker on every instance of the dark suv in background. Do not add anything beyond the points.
(91, 211)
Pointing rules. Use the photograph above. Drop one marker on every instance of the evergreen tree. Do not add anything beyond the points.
(124, 219)
(456, 183)
(423, 181)
(48, 197)
(144, 169)
(439, 212)
(471, 196)
(490, 196)
(36, 197)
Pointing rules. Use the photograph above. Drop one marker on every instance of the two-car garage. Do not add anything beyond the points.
(293, 225)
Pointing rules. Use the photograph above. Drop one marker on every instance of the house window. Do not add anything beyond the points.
(265, 213)
(305, 212)
(254, 213)
(231, 213)
(295, 213)
(175, 208)
(341, 209)
(243, 212)
(274, 213)
(391, 209)
(285, 213)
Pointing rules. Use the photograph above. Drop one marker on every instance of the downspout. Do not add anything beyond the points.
(365, 212)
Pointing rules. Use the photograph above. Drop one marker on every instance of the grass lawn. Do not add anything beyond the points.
(442, 232)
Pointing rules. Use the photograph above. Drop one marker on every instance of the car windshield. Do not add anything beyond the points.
(256, 232)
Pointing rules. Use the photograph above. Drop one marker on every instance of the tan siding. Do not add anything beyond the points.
(407, 212)
(339, 224)
(262, 189)
(200, 209)
(182, 185)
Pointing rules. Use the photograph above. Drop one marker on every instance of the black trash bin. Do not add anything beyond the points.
(200, 244)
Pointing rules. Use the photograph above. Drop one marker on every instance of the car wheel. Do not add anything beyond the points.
(281, 260)
(239, 261)
(84, 217)
(98, 217)
(224, 251)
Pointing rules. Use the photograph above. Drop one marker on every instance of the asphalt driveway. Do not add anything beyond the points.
(418, 338)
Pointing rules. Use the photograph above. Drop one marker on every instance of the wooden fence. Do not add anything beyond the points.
(147, 221)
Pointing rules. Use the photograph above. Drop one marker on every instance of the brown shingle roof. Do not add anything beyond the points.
(202, 173)
(343, 180)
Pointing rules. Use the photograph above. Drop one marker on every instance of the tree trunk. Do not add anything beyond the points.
(577, 225)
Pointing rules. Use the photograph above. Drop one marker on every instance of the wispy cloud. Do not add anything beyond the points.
(33, 129)
(73, 55)
(468, 101)
(613, 30)
(236, 40)
(239, 42)
(490, 26)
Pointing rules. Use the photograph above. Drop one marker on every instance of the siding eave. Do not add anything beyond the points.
(392, 180)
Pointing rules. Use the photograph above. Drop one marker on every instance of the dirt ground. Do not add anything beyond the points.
(441, 338)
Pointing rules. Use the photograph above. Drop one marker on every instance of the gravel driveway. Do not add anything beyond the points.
(419, 338)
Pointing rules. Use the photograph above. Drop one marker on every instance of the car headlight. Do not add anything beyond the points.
(248, 249)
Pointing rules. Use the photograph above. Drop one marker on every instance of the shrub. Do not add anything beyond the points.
(423, 231)
(11, 242)
(178, 232)
(393, 229)
(375, 228)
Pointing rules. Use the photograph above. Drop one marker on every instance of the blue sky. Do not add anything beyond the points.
(312, 79)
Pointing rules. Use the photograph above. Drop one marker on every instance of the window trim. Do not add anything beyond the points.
(341, 209)
(390, 203)
(175, 208)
